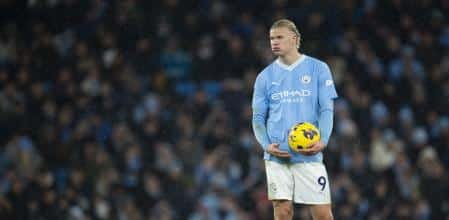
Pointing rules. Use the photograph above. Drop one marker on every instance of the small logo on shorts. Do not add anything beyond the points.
(273, 187)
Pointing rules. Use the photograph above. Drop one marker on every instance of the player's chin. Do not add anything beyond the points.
(277, 52)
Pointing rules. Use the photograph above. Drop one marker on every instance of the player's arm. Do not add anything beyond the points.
(326, 119)
(260, 112)
(326, 96)
(325, 124)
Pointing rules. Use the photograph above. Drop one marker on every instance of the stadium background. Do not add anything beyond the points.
(140, 109)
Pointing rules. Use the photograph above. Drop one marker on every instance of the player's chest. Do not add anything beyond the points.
(293, 87)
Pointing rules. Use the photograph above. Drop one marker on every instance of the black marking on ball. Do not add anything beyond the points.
(309, 134)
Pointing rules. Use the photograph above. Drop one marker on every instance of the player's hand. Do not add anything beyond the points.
(274, 150)
(313, 148)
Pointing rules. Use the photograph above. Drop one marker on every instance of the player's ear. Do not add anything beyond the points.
(298, 41)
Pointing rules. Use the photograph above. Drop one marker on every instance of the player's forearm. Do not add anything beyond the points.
(325, 123)
(260, 131)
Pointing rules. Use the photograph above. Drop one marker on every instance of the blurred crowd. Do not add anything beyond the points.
(137, 109)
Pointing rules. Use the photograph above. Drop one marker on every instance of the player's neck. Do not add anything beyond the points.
(290, 58)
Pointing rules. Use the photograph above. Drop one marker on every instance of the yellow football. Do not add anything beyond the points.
(302, 135)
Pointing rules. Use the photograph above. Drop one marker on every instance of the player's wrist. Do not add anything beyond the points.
(284, 145)
(324, 143)
(266, 147)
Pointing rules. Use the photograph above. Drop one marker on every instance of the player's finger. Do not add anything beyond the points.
(312, 149)
(280, 151)
(283, 154)
(312, 145)
(305, 151)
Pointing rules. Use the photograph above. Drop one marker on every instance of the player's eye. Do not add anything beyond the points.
(276, 37)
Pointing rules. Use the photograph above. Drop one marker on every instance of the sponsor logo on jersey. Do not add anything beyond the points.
(290, 94)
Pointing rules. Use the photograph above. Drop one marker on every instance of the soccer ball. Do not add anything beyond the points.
(302, 135)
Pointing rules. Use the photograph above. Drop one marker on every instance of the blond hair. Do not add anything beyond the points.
(290, 26)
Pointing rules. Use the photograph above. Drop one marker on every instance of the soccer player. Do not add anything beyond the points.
(294, 88)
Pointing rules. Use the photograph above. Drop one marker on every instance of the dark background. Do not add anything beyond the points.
(137, 109)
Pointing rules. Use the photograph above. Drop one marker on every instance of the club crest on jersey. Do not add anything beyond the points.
(306, 79)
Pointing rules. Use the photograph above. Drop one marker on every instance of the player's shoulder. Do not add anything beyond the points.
(318, 66)
(267, 71)
(316, 62)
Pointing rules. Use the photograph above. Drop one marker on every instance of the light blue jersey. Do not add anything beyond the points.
(285, 95)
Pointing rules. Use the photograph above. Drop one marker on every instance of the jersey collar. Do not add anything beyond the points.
(291, 66)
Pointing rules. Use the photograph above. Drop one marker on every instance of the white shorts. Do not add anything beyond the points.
(305, 183)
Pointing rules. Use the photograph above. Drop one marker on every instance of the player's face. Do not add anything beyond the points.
(282, 41)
